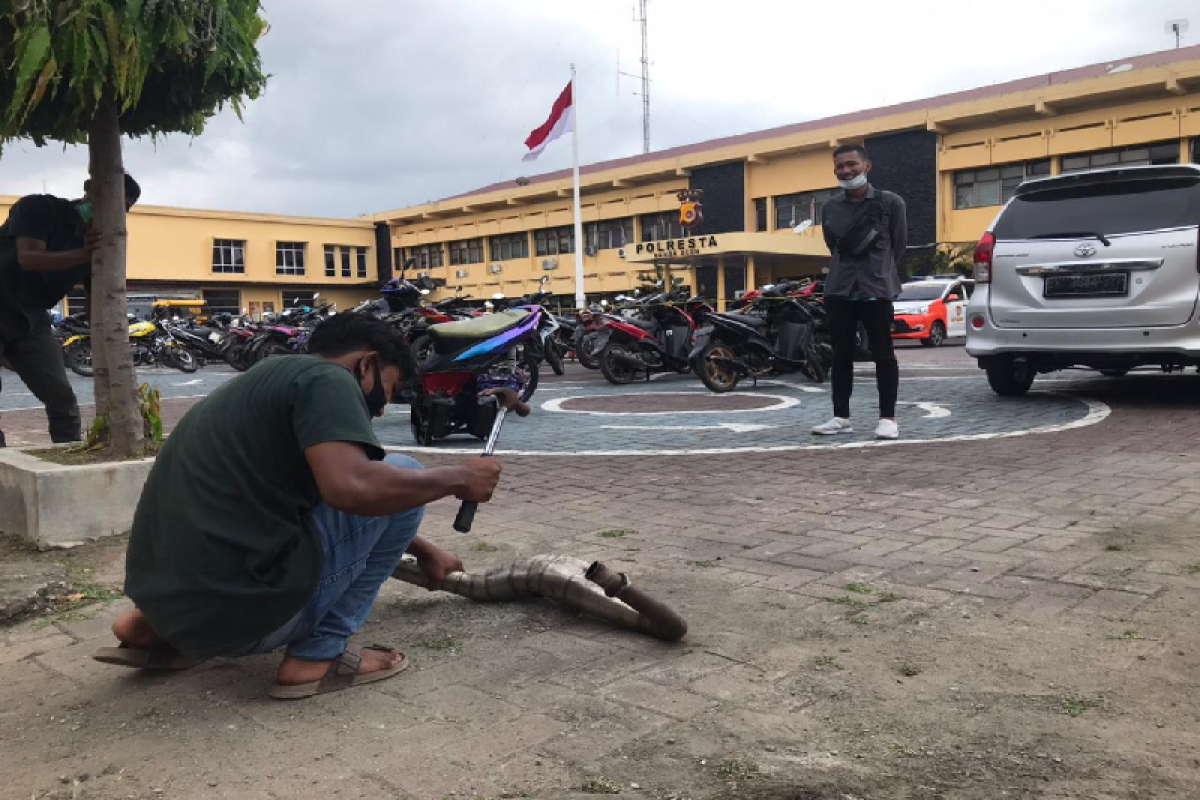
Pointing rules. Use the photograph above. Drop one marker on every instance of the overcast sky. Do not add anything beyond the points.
(378, 104)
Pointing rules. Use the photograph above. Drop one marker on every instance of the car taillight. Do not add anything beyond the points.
(983, 258)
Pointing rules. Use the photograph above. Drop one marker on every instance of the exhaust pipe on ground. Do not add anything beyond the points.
(591, 589)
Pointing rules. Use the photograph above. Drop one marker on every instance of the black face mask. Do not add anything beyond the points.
(376, 398)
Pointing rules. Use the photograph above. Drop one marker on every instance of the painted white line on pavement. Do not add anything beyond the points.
(88, 405)
(734, 427)
(189, 383)
(932, 410)
(555, 405)
(1097, 412)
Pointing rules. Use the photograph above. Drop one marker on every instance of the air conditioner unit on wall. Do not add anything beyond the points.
(461, 273)
(549, 263)
(589, 251)
(621, 253)
(494, 268)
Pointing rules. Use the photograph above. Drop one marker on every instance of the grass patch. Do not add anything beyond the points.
(617, 533)
(736, 768)
(859, 588)
(77, 455)
(84, 598)
(703, 564)
(1074, 705)
(909, 670)
(1132, 636)
(1192, 569)
(443, 641)
(902, 750)
(854, 604)
(484, 547)
(827, 661)
(600, 785)
(861, 619)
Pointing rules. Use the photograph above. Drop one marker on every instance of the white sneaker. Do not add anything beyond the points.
(834, 426)
(887, 429)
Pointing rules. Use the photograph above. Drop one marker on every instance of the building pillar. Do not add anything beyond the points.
(751, 279)
(720, 283)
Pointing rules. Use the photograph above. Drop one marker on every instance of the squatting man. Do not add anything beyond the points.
(271, 518)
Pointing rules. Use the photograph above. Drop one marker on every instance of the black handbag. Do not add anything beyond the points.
(865, 230)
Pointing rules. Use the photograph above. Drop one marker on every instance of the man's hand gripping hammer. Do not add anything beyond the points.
(507, 400)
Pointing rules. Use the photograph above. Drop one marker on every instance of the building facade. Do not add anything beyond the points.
(955, 159)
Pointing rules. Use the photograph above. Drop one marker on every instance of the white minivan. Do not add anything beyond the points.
(1094, 269)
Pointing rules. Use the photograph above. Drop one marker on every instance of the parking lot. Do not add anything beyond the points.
(1001, 604)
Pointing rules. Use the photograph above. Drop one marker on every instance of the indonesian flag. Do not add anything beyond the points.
(562, 119)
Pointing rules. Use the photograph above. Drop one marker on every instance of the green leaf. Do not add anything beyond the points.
(33, 56)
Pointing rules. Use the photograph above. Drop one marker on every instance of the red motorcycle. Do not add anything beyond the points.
(659, 339)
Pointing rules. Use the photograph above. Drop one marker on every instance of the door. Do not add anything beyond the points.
(1101, 250)
(956, 310)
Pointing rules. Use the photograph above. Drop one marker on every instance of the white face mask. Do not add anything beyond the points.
(857, 182)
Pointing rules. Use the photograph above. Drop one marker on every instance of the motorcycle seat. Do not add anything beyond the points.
(753, 320)
(479, 327)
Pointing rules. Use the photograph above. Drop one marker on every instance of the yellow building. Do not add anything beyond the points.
(235, 261)
(955, 159)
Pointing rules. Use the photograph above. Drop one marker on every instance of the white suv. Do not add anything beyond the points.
(1095, 269)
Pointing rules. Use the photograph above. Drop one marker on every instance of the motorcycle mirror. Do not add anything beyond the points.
(316, 295)
(803, 226)
(545, 279)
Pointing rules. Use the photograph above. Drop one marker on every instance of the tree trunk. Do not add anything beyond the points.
(115, 378)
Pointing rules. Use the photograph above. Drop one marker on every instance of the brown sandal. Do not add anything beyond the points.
(342, 674)
(160, 659)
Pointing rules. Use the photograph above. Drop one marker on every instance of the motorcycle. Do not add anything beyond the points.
(779, 331)
(149, 343)
(548, 349)
(659, 342)
(459, 360)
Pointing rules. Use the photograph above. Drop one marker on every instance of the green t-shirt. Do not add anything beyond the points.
(224, 550)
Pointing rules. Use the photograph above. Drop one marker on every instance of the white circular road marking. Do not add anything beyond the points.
(782, 402)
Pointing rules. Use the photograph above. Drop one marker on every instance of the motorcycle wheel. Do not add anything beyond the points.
(275, 349)
(554, 358)
(421, 349)
(422, 433)
(586, 352)
(613, 370)
(79, 358)
(235, 357)
(532, 368)
(183, 360)
(715, 377)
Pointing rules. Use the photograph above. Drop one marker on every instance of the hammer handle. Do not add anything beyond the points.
(466, 512)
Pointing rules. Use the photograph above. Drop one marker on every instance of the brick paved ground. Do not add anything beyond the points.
(975, 619)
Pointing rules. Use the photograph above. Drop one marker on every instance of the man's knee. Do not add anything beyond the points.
(402, 461)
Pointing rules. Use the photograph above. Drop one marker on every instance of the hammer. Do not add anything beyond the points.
(508, 400)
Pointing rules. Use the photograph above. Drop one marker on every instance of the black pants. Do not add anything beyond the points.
(38, 360)
(876, 316)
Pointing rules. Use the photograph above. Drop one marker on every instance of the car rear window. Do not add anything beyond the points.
(1119, 207)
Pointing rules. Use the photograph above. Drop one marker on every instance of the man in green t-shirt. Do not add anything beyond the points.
(271, 518)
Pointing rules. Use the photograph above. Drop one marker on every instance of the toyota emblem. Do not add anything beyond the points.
(1085, 250)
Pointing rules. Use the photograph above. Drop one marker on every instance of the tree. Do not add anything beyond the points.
(92, 70)
(943, 259)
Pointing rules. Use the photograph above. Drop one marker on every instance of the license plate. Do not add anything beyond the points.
(1105, 284)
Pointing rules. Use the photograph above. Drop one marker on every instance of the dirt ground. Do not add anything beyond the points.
(1007, 618)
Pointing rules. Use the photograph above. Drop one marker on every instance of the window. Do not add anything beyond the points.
(360, 262)
(553, 241)
(427, 256)
(665, 225)
(1137, 155)
(1196, 150)
(76, 303)
(289, 258)
(345, 261)
(294, 298)
(466, 251)
(229, 255)
(223, 301)
(608, 234)
(1107, 207)
(330, 261)
(509, 245)
(760, 214)
(994, 186)
(792, 209)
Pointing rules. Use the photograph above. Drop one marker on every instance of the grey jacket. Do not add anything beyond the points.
(876, 272)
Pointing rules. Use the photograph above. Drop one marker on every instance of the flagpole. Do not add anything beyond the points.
(580, 298)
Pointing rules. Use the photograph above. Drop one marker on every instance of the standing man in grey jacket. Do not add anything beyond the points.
(866, 231)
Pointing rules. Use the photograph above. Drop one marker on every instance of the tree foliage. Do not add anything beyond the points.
(167, 64)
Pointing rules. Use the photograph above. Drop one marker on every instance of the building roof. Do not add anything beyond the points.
(1049, 79)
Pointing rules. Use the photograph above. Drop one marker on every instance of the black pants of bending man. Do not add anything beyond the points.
(38, 361)
(876, 317)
